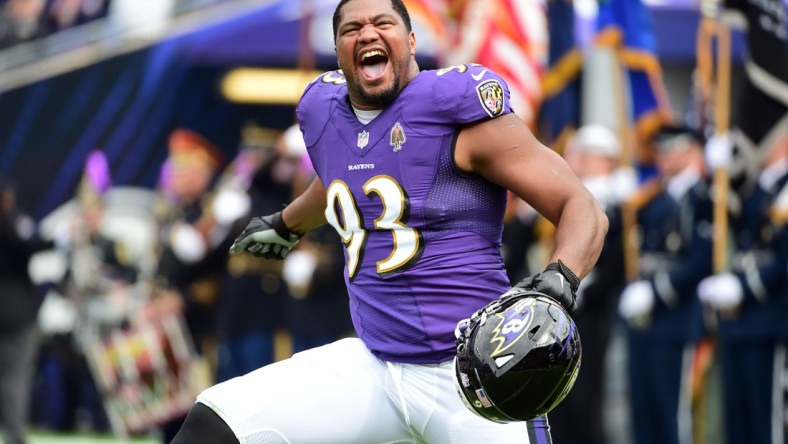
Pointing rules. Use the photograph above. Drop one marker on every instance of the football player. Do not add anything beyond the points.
(413, 169)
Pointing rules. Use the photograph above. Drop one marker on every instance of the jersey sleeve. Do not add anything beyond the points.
(470, 93)
(314, 107)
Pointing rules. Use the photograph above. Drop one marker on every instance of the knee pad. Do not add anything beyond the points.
(203, 425)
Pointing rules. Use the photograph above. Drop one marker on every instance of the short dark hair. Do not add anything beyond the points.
(665, 138)
(397, 5)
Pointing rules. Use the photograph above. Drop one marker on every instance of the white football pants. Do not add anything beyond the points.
(340, 393)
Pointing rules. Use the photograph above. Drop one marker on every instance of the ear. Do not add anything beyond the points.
(412, 43)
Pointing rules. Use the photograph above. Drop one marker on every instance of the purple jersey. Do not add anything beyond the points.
(422, 239)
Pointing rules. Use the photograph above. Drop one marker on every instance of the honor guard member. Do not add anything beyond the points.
(190, 267)
(316, 308)
(187, 266)
(412, 172)
(661, 308)
(594, 153)
(251, 308)
(99, 263)
(751, 302)
(97, 282)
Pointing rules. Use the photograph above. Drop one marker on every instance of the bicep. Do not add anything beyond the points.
(504, 151)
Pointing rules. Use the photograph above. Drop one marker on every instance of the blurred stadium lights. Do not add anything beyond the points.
(266, 86)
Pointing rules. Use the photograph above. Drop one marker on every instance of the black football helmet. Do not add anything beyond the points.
(517, 357)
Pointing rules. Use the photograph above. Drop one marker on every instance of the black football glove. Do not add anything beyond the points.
(267, 237)
(556, 281)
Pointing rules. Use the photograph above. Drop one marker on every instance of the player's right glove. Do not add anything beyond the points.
(267, 237)
(556, 281)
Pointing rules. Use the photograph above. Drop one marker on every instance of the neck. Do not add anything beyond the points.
(366, 115)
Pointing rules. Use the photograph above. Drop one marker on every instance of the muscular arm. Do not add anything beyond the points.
(307, 211)
(504, 151)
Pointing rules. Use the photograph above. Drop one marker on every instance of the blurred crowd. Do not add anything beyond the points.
(147, 307)
(31, 20)
(123, 303)
(26, 20)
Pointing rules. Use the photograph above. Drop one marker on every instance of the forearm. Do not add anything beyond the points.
(307, 211)
(580, 234)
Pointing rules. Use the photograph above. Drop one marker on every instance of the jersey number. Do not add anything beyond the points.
(407, 241)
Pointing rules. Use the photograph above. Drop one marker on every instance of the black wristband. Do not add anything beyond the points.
(278, 224)
(574, 281)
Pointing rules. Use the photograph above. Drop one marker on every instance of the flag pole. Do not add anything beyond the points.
(706, 376)
(629, 207)
(627, 140)
(722, 123)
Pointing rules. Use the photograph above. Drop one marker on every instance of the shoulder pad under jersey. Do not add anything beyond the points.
(465, 94)
(315, 105)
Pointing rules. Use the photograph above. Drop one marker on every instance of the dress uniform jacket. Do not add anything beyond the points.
(761, 264)
(676, 249)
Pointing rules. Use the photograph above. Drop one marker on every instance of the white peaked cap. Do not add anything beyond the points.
(597, 139)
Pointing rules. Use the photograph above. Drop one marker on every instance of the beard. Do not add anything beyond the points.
(380, 99)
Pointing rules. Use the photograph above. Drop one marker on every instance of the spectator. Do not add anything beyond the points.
(20, 301)
(64, 14)
(21, 21)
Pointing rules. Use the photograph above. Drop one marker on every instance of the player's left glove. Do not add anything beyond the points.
(556, 281)
(267, 237)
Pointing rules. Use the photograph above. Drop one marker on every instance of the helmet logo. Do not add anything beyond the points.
(513, 325)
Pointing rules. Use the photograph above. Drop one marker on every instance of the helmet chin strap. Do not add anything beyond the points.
(461, 329)
(480, 317)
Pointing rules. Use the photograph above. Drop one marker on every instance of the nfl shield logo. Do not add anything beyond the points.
(363, 139)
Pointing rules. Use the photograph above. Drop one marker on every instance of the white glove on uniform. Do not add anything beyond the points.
(187, 243)
(229, 205)
(721, 292)
(625, 183)
(637, 301)
(719, 152)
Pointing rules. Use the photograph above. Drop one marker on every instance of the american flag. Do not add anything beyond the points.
(507, 36)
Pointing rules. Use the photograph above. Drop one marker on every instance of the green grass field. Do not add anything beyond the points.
(75, 438)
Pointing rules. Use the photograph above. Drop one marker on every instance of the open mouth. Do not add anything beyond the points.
(373, 64)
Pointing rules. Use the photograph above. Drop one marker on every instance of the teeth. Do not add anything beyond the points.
(371, 53)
